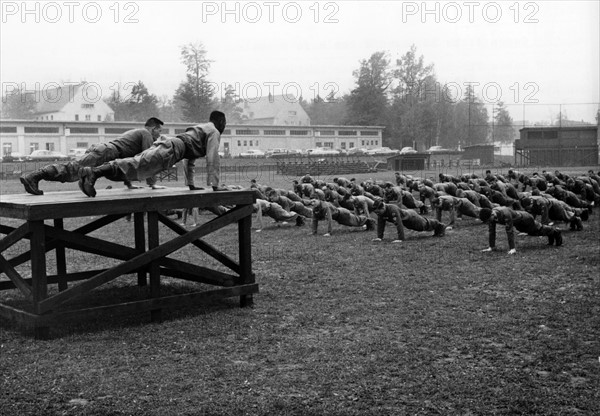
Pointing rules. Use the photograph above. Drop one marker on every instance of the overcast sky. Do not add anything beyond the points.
(541, 53)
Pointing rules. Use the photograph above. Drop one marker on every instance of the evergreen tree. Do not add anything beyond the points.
(230, 106)
(368, 102)
(413, 117)
(137, 106)
(503, 129)
(471, 119)
(195, 94)
(19, 105)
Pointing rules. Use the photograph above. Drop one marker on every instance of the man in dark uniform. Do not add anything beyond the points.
(403, 218)
(129, 144)
(323, 210)
(522, 221)
(555, 210)
(201, 140)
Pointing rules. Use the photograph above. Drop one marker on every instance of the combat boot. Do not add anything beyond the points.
(440, 230)
(31, 181)
(87, 181)
(558, 237)
(551, 238)
(370, 224)
(89, 176)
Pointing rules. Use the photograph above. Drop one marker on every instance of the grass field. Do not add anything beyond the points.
(341, 326)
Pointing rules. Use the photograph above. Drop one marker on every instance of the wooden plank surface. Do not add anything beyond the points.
(70, 204)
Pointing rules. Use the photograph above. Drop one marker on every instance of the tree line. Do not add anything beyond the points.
(403, 96)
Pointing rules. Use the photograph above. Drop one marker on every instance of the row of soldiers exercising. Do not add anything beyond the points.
(445, 196)
(406, 218)
(584, 187)
(287, 210)
(355, 213)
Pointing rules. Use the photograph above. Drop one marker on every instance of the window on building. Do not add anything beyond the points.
(274, 132)
(369, 133)
(376, 142)
(326, 132)
(81, 145)
(362, 142)
(49, 146)
(52, 117)
(535, 135)
(299, 132)
(99, 118)
(83, 130)
(245, 142)
(33, 146)
(76, 117)
(40, 129)
(239, 143)
(119, 130)
(328, 144)
(343, 145)
(351, 145)
(256, 143)
(319, 144)
(88, 117)
(247, 132)
(347, 133)
(6, 149)
(250, 143)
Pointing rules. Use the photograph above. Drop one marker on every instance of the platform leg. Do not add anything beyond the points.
(140, 243)
(153, 241)
(61, 262)
(245, 253)
(38, 272)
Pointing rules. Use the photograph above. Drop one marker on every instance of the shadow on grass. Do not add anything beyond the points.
(114, 293)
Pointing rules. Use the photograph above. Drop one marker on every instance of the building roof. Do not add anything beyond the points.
(579, 127)
(479, 145)
(53, 100)
(270, 107)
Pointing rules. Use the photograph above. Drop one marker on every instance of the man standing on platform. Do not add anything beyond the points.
(201, 140)
(128, 144)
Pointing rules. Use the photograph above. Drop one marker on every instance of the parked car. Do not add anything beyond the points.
(357, 151)
(14, 157)
(252, 153)
(322, 151)
(407, 150)
(281, 152)
(382, 151)
(46, 156)
(437, 149)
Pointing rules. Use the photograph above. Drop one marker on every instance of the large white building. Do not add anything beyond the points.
(25, 136)
(75, 102)
(283, 110)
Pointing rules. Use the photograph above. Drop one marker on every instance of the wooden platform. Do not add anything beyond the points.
(148, 257)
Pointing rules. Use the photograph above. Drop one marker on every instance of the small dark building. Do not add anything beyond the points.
(557, 146)
(409, 161)
(483, 152)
